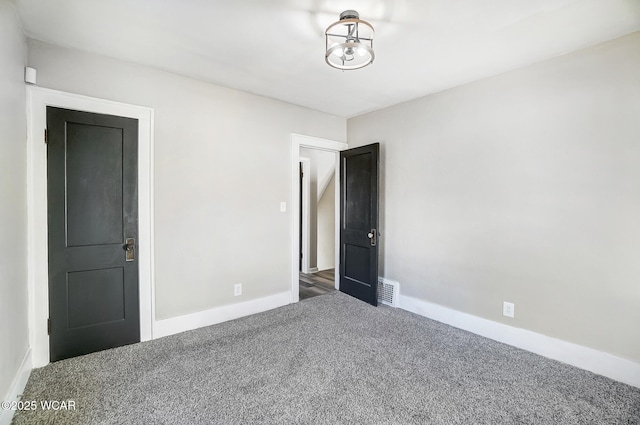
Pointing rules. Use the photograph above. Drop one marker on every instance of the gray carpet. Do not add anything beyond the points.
(328, 360)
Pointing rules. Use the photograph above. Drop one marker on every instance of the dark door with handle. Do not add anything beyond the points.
(92, 232)
(359, 222)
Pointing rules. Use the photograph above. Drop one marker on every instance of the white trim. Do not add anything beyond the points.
(37, 100)
(303, 141)
(599, 362)
(313, 270)
(298, 141)
(17, 387)
(217, 315)
(306, 214)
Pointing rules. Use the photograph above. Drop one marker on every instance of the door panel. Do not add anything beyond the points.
(357, 214)
(359, 223)
(92, 153)
(95, 296)
(357, 264)
(92, 209)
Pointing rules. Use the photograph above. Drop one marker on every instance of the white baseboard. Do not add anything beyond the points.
(576, 355)
(313, 270)
(218, 315)
(17, 387)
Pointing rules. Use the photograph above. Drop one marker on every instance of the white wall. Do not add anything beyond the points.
(221, 170)
(523, 187)
(13, 199)
(326, 227)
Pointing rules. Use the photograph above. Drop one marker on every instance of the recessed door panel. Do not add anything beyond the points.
(95, 297)
(357, 214)
(357, 264)
(94, 201)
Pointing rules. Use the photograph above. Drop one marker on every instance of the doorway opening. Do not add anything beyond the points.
(318, 222)
(315, 216)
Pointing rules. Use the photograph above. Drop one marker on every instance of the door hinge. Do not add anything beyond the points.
(46, 136)
(49, 326)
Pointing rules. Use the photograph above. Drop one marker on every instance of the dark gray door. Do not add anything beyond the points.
(359, 222)
(93, 228)
(300, 220)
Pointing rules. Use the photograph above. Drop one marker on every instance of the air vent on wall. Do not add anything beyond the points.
(388, 292)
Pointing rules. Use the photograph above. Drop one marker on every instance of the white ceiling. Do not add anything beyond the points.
(275, 48)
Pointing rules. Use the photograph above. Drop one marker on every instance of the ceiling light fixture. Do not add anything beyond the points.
(349, 42)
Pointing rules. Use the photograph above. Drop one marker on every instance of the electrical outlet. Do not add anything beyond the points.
(237, 289)
(508, 309)
(283, 207)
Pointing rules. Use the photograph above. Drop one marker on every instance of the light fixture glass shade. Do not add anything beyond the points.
(349, 42)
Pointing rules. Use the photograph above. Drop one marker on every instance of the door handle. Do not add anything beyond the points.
(130, 249)
(372, 235)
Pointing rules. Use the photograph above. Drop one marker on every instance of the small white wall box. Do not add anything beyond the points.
(29, 75)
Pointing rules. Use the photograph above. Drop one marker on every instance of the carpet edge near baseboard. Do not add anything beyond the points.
(213, 316)
(599, 362)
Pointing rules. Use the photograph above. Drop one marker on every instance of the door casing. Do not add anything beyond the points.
(37, 258)
(298, 141)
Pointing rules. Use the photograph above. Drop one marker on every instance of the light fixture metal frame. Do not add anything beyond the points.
(352, 40)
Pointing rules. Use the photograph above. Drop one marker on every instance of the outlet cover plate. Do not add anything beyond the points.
(237, 289)
(508, 309)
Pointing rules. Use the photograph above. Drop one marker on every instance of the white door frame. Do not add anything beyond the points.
(298, 141)
(306, 212)
(38, 267)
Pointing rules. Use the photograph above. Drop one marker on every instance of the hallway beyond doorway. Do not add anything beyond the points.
(319, 283)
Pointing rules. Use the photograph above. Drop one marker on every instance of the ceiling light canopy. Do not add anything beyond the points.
(349, 42)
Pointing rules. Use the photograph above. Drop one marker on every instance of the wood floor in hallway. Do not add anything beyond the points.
(314, 284)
